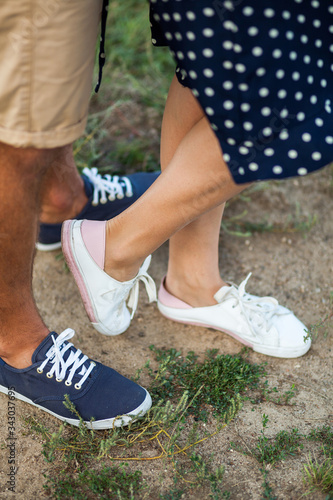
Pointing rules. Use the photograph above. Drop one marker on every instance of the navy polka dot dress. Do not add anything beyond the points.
(262, 72)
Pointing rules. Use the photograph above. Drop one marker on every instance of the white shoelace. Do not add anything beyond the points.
(108, 187)
(66, 368)
(133, 296)
(257, 311)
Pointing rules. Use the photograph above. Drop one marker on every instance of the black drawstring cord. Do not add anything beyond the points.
(101, 57)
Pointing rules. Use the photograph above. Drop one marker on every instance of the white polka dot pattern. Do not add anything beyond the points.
(262, 72)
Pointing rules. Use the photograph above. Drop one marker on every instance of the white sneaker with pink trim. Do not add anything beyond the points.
(105, 299)
(258, 322)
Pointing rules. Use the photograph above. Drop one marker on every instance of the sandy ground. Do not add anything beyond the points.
(297, 269)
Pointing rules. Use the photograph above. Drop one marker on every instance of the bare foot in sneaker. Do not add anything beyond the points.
(91, 196)
(102, 397)
(106, 299)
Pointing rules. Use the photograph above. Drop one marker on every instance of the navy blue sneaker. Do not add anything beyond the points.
(102, 397)
(108, 196)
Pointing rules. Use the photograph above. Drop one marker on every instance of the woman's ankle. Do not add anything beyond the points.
(120, 262)
(192, 290)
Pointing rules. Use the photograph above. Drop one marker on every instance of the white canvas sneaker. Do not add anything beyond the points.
(258, 322)
(105, 299)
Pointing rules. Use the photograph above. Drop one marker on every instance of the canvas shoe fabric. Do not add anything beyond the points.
(108, 196)
(258, 322)
(103, 398)
(106, 300)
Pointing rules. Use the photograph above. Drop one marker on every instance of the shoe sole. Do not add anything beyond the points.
(269, 351)
(119, 421)
(75, 268)
(43, 247)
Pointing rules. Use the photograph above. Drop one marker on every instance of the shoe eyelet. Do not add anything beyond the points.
(68, 383)
(49, 375)
(59, 379)
(39, 370)
(77, 386)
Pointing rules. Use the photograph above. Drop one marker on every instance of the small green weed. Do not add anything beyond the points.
(271, 450)
(279, 399)
(173, 494)
(322, 325)
(268, 490)
(198, 471)
(204, 474)
(213, 384)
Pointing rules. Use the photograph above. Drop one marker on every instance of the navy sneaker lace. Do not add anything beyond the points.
(66, 368)
(108, 187)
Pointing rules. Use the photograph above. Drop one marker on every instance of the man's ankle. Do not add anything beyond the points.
(18, 353)
(60, 207)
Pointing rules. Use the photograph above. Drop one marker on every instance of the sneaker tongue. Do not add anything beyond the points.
(222, 293)
(40, 352)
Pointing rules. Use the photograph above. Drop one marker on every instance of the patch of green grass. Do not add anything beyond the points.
(319, 476)
(237, 225)
(135, 74)
(211, 385)
(130, 53)
(105, 483)
(138, 153)
(185, 392)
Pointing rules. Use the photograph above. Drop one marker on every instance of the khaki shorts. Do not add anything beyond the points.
(47, 53)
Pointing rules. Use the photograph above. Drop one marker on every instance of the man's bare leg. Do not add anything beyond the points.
(63, 189)
(21, 327)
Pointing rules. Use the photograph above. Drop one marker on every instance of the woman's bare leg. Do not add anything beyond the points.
(195, 181)
(193, 269)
